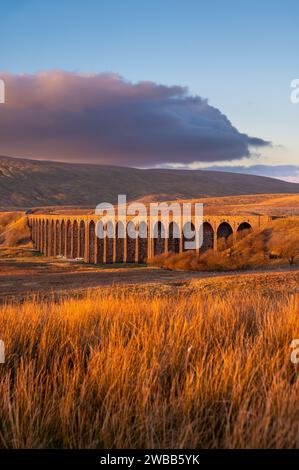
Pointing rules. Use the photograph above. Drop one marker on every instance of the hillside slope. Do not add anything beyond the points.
(31, 183)
(14, 230)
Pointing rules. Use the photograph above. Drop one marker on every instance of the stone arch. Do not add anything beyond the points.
(38, 235)
(110, 235)
(224, 236)
(47, 236)
(52, 238)
(142, 242)
(57, 238)
(173, 238)
(33, 236)
(131, 242)
(69, 239)
(243, 230)
(82, 240)
(207, 237)
(188, 229)
(92, 238)
(62, 238)
(75, 239)
(41, 236)
(159, 238)
(100, 243)
(33, 229)
(42, 232)
(120, 242)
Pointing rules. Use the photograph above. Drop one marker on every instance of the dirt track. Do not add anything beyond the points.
(18, 278)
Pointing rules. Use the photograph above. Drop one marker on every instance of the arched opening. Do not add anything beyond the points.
(52, 239)
(109, 242)
(62, 238)
(69, 239)
(41, 236)
(82, 240)
(120, 242)
(75, 239)
(42, 246)
(47, 236)
(207, 237)
(100, 243)
(32, 225)
(142, 242)
(57, 238)
(92, 239)
(131, 242)
(37, 235)
(188, 236)
(173, 238)
(244, 229)
(91, 242)
(224, 236)
(159, 239)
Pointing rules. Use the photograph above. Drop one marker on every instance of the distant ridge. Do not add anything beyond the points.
(32, 183)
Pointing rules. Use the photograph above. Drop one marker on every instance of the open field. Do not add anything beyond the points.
(23, 276)
(196, 365)
(265, 204)
(257, 204)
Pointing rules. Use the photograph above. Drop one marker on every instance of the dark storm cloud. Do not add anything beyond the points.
(105, 119)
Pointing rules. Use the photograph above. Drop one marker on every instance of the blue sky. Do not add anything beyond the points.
(242, 57)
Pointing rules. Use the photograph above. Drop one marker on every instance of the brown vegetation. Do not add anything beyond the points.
(14, 230)
(278, 242)
(257, 204)
(285, 241)
(132, 370)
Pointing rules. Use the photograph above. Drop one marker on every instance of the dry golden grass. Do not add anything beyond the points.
(130, 369)
(264, 204)
(256, 204)
(14, 230)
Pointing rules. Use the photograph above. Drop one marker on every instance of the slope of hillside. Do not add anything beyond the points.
(14, 230)
(27, 183)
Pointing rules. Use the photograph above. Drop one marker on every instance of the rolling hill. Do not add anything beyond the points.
(31, 183)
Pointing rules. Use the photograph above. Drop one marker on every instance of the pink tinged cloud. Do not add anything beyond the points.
(102, 118)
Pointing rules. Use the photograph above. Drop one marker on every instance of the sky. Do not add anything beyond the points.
(172, 83)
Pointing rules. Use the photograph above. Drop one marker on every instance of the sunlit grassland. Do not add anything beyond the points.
(131, 369)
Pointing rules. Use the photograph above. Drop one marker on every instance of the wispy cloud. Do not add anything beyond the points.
(283, 172)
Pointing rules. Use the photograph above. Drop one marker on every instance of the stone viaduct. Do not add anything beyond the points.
(74, 237)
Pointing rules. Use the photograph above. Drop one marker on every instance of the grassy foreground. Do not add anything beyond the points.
(120, 369)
